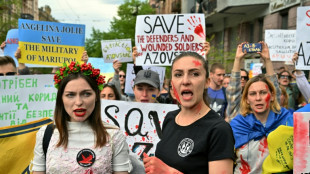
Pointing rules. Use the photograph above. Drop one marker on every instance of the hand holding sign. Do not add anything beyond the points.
(265, 51)
(2, 45)
(239, 52)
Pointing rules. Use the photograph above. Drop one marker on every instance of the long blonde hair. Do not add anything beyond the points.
(245, 107)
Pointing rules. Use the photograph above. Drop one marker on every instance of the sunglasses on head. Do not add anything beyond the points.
(122, 76)
(8, 74)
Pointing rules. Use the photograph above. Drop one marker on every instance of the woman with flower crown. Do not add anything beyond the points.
(80, 141)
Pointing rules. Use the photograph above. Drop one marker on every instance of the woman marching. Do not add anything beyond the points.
(81, 142)
(195, 139)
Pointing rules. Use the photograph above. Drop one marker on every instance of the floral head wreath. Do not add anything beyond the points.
(86, 69)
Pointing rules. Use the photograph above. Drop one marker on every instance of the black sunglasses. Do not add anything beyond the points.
(122, 76)
(285, 76)
(245, 77)
(8, 74)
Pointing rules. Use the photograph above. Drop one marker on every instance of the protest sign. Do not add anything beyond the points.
(301, 142)
(130, 76)
(106, 69)
(303, 38)
(248, 62)
(281, 44)
(50, 43)
(11, 44)
(255, 69)
(26, 98)
(140, 122)
(119, 49)
(160, 38)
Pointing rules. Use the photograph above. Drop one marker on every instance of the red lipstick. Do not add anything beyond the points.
(80, 112)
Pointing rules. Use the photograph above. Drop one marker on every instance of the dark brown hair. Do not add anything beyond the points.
(112, 86)
(215, 66)
(4, 60)
(61, 117)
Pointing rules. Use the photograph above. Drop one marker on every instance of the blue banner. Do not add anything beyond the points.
(51, 32)
(11, 44)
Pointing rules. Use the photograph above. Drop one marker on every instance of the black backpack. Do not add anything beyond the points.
(47, 137)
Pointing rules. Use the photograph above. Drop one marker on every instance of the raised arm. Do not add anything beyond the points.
(301, 81)
(269, 68)
(234, 89)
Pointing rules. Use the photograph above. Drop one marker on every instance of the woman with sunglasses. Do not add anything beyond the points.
(239, 78)
(7, 66)
(291, 90)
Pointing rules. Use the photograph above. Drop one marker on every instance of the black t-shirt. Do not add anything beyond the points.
(190, 148)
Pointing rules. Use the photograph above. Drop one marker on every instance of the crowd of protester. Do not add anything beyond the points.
(229, 116)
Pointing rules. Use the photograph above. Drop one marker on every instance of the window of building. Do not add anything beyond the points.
(284, 20)
(260, 29)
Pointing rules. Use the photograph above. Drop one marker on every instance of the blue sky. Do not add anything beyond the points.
(92, 13)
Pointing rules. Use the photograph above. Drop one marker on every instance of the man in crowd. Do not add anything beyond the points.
(216, 92)
(7, 66)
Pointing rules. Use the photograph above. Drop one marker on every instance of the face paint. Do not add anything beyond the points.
(153, 96)
(198, 107)
(197, 63)
(176, 93)
(267, 100)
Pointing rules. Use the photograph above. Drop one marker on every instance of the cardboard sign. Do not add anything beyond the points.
(301, 142)
(119, 49)
(50, 43)
(130, 76)
(281, 44)
(141, 122)
(26, 98)
(303, 38)
(160, 38)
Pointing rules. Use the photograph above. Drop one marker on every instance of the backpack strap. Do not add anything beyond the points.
(47, 137)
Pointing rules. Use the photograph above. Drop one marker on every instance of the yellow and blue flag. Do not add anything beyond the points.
(17, 146)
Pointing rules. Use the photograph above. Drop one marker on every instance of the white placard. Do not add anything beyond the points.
(26, 98)
(140, 122)
(255, 69)
(160, 38)
(247, 63)
(119, 49)
(130, 76)
(303, 38)
(281, 43)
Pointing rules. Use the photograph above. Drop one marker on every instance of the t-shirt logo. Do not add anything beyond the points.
(185, 147)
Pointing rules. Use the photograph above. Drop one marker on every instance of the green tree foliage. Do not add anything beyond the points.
(8, 18)
(122, 27)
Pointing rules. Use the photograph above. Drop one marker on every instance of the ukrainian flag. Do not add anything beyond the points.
(17, 145)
